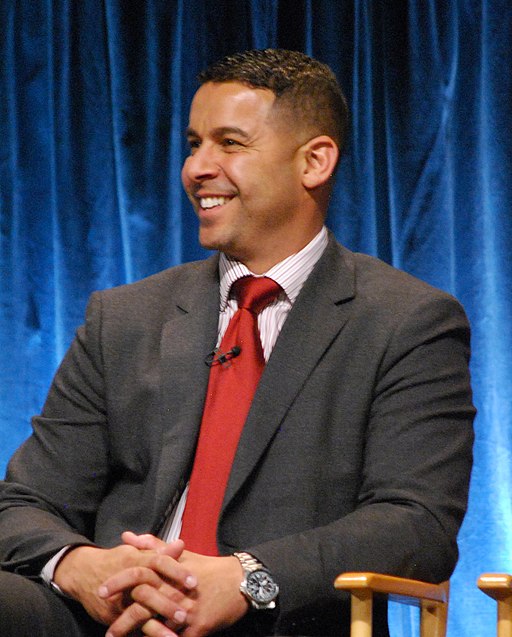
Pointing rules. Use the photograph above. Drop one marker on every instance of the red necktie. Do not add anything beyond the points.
(231, 388)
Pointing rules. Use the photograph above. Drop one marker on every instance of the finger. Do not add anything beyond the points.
(173, 549)
(151, 565)
(133, 617)
(171, 570)
(163, 603)
(127, 579)
(155, 628)
(149, 542)
(144, 541)
(149, 603)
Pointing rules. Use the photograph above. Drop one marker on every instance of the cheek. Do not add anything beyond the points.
(250, 182)
(233, 169)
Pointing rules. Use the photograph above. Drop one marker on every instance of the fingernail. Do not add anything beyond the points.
(103, 592)
(180, 616)
(191, 582)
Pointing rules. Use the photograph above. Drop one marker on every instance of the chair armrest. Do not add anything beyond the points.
(496, 585)
(397, 587)
(431, 598)
(499, 587)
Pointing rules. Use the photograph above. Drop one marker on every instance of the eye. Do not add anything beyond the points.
(193, 144)
(229, 142)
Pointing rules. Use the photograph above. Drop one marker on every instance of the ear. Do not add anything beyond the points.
(320, 158)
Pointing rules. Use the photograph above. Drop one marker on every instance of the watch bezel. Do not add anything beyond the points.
(255, 576)
(252, 570)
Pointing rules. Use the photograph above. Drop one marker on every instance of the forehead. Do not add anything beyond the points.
(230, 104)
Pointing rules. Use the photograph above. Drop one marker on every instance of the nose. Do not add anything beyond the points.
(201, 165)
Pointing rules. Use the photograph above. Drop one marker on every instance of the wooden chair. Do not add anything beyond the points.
(432, 599)
(499, 587)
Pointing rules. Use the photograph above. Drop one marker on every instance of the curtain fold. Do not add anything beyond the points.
(94, 99)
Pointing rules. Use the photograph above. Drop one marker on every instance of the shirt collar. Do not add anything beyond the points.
(291, 273)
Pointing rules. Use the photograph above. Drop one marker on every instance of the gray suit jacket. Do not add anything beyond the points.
(355, 456)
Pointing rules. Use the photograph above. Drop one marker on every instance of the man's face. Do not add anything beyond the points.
(243, 175)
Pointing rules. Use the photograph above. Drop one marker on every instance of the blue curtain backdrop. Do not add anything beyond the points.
(94, 97)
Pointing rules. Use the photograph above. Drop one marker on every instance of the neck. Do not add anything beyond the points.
(262, 263)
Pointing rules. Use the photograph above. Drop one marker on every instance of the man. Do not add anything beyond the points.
(356, 451)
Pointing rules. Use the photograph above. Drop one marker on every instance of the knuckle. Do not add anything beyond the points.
(172, 593)
(138, 573)
(139, 613)
(158, 561)
(127, 552)
(142, 593)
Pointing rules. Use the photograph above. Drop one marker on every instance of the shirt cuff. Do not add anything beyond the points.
(49, 570)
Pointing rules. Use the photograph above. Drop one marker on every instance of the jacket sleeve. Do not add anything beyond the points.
(56, 479)
(415, 472)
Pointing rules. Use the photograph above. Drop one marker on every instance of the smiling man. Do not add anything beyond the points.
(258, 181)
(329, 431)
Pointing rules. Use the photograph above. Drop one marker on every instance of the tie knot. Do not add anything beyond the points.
(255, 293)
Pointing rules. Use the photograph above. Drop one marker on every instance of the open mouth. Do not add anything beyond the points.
(207, 203)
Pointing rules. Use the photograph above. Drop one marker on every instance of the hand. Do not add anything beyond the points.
(82, 571)
(152, 592)
(214, 604)
(219, 602)
(154, 626)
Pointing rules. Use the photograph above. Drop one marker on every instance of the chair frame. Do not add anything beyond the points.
(499, 587)
(432, 599)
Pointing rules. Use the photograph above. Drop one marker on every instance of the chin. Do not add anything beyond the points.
(211, 240)
(211, 243)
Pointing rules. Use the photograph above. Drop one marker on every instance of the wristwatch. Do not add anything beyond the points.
(258, 585)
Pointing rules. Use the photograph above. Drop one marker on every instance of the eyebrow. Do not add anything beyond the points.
(220, 132)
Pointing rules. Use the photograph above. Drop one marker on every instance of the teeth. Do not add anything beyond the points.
(211, 202)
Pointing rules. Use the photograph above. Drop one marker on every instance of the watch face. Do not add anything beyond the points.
(261, 586)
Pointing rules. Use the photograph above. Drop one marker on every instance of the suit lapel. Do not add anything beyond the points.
(315, 320)
(187, 338)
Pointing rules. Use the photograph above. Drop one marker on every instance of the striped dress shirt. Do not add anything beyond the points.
(291, 274)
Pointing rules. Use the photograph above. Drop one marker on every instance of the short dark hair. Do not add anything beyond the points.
(306, 86)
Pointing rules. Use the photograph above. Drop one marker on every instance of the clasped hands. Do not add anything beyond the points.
(157, 589)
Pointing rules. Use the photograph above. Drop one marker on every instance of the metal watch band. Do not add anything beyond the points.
(248, 561)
